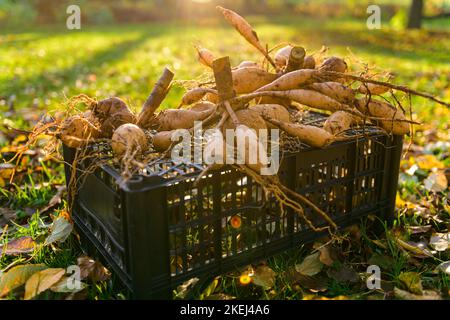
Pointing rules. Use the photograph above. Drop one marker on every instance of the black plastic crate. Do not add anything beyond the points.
(157, 230)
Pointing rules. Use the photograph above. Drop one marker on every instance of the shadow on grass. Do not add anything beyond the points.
(56, 80)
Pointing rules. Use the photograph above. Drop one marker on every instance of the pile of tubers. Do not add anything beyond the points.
(250, 96)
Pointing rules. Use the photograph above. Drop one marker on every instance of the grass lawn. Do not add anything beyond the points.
(41, 68)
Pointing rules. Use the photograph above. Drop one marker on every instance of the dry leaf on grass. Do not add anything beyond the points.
(184, 288)
(436, 182)
(56, 200)
(6, 215)
(23, 245)
(428, 162)
(383, 261)
(92, 270)
(68, 285)
(418, 250)
(418, 229)
(264, 277)
(17, 277)
(314, 284)
(427, 295)
(411, 282)
(444, 267)
(61, 229)
(440, 241)
(344, 274)
(42, 281)
(328, 255)
(311, 265)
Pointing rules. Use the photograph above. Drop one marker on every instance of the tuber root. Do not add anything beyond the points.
(78, 130)
(162, 140)
(112, 113)
(311, 135)
(334, 64)
(291, 80)
(394, 120)
(282, 56)
(335, 90)
(249, 79)
(205, 56)
(129, 141)
(373, 89)
(195, 95)
(339, 122)
(171, 119)
(274, 111)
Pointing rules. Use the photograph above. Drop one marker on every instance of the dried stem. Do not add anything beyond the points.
(155, 99)
(386, 84)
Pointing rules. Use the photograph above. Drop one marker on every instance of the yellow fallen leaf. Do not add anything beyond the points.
(428, 162)
(418, 252)
(20, 138)
(17, 276)
(41, 281)
(401, 204)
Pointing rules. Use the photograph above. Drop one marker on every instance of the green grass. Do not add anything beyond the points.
(40, 68)
(43, 67)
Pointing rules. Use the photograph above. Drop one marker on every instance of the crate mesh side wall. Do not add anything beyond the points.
(216, 222)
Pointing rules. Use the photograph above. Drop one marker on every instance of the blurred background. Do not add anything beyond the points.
(123, 45)
(399, 13)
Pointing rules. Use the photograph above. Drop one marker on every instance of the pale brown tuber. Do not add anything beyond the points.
(129, 141)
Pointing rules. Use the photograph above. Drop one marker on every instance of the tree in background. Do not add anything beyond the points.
(46, 10)
(415, 14)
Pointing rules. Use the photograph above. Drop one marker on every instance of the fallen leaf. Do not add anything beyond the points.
(428, 162)
(17, 277)
(419, 229)
(427, 295)
(440, 241)
(42, 281)
(327, 256)
(211, 288)
(444, 267)
(92, 270)
(61, 228)
(417, 249)
(68, 285)
(314, 284)
(436, 182)
(383, 261)
(310, 266)
(264, 277)
(344, 274)
(6, 215)
(411, 281)
(184, 288)
(18, 246)
(56, 199)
